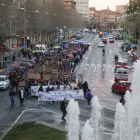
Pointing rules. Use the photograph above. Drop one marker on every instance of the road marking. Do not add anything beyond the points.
(102, 94)
(109, 108)
(92, 77)
(16, 121)
(95, 69)
(83, 110)
(109, 99)
(94, 89)
(91, 84)
(109, 119)
(86, 69)
(93, 73)
(112, 70)
(87, 64)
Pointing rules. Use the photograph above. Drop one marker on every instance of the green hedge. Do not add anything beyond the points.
(132, 39)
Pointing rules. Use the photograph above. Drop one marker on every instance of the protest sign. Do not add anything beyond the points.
(36, 76)
(60, 95)
(74, 85)
(34, 89)
(30, 70)
(21, 84)
(80, 78)
(46, 77)
(30, 76)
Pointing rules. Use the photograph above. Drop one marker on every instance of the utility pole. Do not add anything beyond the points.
(24, 21)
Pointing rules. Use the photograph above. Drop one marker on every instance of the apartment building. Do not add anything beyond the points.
(121, 8)
(82, 6)
(103, 17)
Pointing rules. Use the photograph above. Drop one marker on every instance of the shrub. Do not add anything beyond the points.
(133, 41)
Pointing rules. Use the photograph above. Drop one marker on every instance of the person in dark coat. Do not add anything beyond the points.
(63, 107)
(13, 58)
(85, 88)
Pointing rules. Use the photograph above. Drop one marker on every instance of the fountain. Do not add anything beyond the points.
(96, 117)
(72, 119)
(87, 133)
(130, 126)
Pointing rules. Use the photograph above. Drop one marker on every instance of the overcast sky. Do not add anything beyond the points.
(102, 4)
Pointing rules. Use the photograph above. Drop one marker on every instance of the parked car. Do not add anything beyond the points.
(63, 43)
(87, 43)
(30, 61)
(101, 44)
(121, 87)
(76, 41)
(14, 69)
(4, 82)
(78, 37)
(121, 74)
(24, 64)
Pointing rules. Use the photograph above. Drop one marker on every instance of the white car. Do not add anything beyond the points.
(76, 41)
(4, 82)
(101, 44)
(87, 43)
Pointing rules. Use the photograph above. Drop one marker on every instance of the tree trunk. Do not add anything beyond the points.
(1, 57)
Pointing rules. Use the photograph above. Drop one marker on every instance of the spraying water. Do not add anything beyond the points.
(72, 118)
(87, 133)
(130, 128)
(96, 117)
(120, 123)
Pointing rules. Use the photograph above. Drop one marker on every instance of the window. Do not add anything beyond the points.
(81, 2)
(124, 71)
(119, 71)
(126, 84)
(86, 10)
(85, 6)
(85, 14)
(85, 2)
(81, 10)
(77, 2)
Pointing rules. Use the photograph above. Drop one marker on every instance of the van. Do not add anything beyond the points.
(40, 48)
(121, 74)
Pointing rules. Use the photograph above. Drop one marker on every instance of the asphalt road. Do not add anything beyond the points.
(97, 70)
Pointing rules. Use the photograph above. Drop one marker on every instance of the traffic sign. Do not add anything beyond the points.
(24, 46)
(105, 34)
(131, 46)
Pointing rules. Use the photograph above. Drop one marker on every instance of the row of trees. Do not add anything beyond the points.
(40, 17)
(131, 20)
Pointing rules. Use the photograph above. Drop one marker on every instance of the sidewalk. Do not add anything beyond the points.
(9, 67)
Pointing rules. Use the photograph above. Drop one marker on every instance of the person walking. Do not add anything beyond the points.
(89, 96)
(63, 107)
(85, 88)
(12, 96)
(21, 96)
(13, 58)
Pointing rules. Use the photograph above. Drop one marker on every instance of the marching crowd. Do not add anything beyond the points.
(63, 59)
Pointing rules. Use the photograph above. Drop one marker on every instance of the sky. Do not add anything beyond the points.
(103, 4)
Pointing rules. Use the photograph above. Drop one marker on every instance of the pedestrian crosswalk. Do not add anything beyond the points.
(97, 65)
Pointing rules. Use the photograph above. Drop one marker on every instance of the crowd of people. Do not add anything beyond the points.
(64, 60)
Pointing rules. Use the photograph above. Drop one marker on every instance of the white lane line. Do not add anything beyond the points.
(109, 119)
(109, 108)
(91, 84)
(94, 89)
(109, 99)
(16, 121)
(83, 110)
(102, 94)
(112, 70)
(93, 73)
(95, 69)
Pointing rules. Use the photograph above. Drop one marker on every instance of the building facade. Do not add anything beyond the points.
(103, 17)
(82, 6)
(121, 8)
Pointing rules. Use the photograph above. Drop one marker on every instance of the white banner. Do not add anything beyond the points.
(34, 89)
(60, 95)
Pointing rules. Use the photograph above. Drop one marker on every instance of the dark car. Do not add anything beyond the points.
(14, 69)
(78, 37)
(121, 87)
(24, 64)
(30, 61)
(104, 40)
